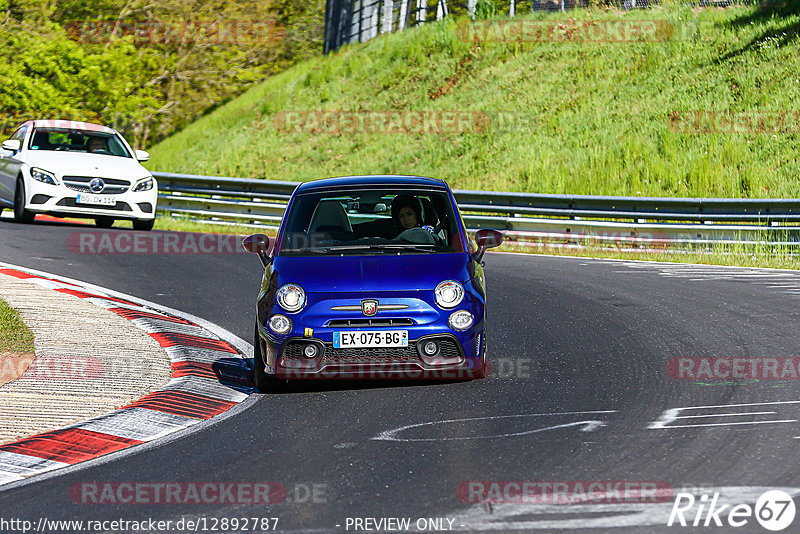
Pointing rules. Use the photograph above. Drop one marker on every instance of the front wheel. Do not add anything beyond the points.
(21, 215)
(145, 225)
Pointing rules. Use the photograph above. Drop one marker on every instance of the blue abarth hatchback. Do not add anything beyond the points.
(371, 277)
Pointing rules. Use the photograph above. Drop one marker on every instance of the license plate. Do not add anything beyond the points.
(370, 338)
(101, 200)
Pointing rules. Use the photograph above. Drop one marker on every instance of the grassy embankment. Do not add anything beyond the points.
(16, 344)
(14, 335)
(580, 117)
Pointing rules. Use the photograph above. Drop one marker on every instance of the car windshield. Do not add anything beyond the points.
(69, 140)
(389, 221)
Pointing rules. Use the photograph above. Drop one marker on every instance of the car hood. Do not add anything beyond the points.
(83, 164)
(370, 273)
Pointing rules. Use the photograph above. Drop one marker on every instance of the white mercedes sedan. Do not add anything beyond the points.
(76, 169)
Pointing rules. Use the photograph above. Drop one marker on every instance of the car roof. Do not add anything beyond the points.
(70, 125)
(372, 181)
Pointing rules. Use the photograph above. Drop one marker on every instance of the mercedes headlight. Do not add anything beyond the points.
(41, 175)
(145, 184)
(449, 294)
(291, 298)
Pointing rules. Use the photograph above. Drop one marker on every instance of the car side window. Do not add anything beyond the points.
(14, 135)
(20, 135)
(17, 135)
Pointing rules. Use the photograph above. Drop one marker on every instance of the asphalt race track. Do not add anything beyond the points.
(579, 392)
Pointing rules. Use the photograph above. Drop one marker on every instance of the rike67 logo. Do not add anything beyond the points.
(774, 510)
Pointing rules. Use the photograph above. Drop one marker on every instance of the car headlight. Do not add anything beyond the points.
(449, 294)
(460, 320)
(41, 175)
(291, 298)
(280, 324)
(145, 184)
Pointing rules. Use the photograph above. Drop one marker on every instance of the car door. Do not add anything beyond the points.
(10, 164)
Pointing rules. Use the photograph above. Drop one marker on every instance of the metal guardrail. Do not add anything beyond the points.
(526, 217)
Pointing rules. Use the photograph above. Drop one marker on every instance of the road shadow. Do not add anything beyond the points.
(52, 221)
(318, 385)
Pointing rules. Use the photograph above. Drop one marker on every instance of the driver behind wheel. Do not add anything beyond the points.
(407, 216)
(406, 212)
(95, 144)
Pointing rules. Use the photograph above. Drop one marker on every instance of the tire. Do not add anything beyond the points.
(264, 382)
(104, 222)
(143, 226)
(21, 215)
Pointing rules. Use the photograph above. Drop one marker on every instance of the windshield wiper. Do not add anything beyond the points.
(327, 250)
(405, 246)
(347, 248)
(337, 248)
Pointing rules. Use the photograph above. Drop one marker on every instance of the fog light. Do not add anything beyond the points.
(430, 348)
(460, 320)
(310, 351)
(280, 324)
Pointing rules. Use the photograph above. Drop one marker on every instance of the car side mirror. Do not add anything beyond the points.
(485, 240)
(258, 244)
(12, 144)
(142, 155)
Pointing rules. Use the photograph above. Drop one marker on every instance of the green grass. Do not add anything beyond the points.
(14, 335)
(763, 255)
(590, 118)
(183, 224)
(186, 225)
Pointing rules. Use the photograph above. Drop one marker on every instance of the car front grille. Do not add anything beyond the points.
(448, 348)
(293, 350)
(81, 184)
(79, 188)
(366, 356)
(70, 203)
(338, 323)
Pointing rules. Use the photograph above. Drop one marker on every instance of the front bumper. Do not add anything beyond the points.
(460, 355)
(59, 200)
